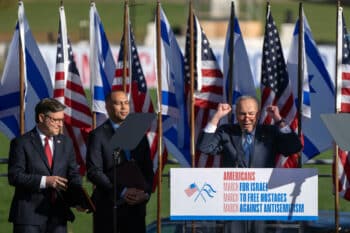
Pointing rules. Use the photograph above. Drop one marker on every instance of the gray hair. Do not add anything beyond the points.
(246, 97)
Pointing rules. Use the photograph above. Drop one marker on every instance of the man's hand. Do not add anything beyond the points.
(57, 182)
(135, 196)
(222, 110)
(274, 112)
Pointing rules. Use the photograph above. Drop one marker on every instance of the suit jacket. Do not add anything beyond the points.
(27, 164)
(268, 142)
(99, 162)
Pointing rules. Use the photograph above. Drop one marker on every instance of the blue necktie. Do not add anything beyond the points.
(247, 147)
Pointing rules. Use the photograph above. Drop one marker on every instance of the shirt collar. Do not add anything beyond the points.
(114, 125)
(43, 136)
(251, 133)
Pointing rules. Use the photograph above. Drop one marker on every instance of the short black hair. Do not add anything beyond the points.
(108, 97)
(46, 106)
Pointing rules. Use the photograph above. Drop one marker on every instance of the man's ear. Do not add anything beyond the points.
(41, 117)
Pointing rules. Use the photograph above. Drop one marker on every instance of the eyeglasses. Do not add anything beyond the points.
(249, 114)
(55, 120)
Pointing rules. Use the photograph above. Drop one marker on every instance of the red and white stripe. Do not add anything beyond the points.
(343, 103)
(140, 100)
(69, 91)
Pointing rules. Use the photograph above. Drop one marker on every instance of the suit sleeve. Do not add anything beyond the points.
(72, 172)
(94, 163)
(17, 167)
(145, 162)
(288, 143)
(210, 143)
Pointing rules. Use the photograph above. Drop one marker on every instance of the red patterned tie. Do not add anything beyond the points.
(48, 151)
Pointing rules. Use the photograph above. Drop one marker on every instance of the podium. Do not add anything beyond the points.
(131, 131)
(339, 127)
(244, 194)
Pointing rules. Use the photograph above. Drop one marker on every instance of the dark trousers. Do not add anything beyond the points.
(244, 227)
(131, 225)
(49, 227)
(125, 224)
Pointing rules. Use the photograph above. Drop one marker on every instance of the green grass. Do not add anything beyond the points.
(43, 16)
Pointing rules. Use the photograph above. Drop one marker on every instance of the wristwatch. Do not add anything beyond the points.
(282, 121)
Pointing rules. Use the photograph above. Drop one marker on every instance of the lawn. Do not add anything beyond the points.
(43, 16)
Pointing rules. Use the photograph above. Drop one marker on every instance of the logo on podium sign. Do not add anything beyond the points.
(207, 191)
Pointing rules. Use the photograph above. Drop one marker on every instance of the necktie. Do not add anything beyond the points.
(127, 154)
(48, 151)
(247, 146)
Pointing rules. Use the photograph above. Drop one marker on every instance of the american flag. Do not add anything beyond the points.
(209, 86)
(69, 91)
(343, 100)
(275, 85)
(140, 100)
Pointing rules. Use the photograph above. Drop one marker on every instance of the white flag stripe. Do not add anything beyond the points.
(211, 81)
(171, 111)
(268, 102)
(78, 115)
(209, 96)
(345, 83)
(345, 99)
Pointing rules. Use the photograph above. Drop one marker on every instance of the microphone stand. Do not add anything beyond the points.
(116, 161)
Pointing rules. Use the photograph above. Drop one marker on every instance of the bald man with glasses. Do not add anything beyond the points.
(247, 144)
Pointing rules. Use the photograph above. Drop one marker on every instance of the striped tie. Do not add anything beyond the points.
(247, 146)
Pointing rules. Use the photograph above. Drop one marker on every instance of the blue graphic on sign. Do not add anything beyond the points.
(207, 191)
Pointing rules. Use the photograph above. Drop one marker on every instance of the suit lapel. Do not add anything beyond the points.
(257, 141)
(58, 150)
(38, 146)
(108, 128)
(237, 141)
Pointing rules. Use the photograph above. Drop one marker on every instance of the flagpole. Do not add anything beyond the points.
(126, 44)
(338, 62)
(160, 126)
(191, 98)
(231, 58)
(92, 3)
(21, 76)
(190, 15)
(300, 74)
(191, 91)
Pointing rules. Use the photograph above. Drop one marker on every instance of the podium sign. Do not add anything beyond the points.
(243, 194)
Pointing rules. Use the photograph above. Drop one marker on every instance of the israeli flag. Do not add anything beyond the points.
(37, 81)
(102, 65)
(243, 80)
(175, 119)
(318, 92)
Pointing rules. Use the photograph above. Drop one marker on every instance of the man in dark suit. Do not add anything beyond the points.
(131, 210)
(42, 167)
(248, 144)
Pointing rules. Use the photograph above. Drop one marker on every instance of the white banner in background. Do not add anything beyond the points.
(243, 194)
(147, 57)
